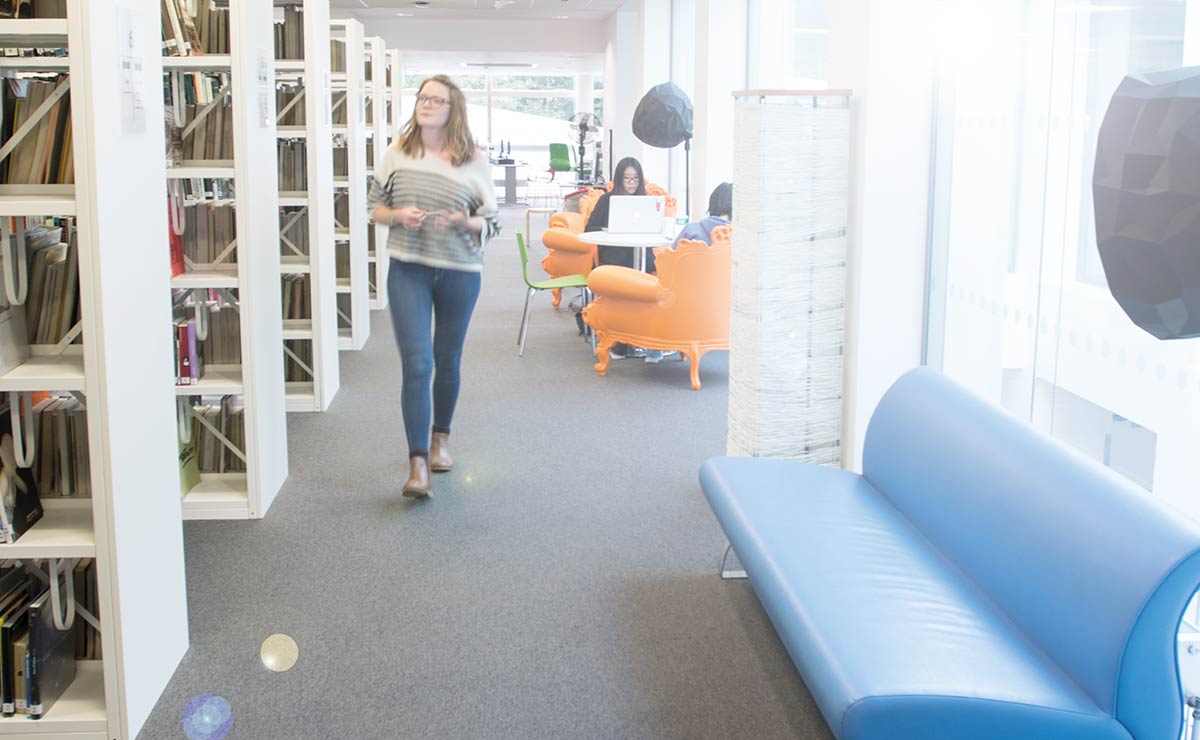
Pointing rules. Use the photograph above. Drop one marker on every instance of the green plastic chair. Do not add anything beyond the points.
(560, 159)
(570, 281)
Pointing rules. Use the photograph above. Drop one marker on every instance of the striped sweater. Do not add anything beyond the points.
(433, 185)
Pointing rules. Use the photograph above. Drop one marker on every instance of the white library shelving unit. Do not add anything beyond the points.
(395, 86)
(378, 110)
(350, 196)
(243, 276)
(121, 371)
(309, 269)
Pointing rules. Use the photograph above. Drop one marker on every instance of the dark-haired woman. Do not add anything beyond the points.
(629, 181)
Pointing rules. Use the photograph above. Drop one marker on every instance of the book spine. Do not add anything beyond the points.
(193, 359)
(185, 368)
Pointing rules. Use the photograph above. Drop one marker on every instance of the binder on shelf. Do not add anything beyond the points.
(51, 658)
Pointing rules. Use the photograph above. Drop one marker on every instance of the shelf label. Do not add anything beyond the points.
(266, 89)
(132, 79)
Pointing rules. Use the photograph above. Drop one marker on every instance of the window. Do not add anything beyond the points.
(789, 43)
(1019, 308)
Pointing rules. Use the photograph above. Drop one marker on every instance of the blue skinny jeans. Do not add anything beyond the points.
(418, 297)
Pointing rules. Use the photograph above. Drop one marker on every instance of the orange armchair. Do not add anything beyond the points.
(684, 308)
(568, 255)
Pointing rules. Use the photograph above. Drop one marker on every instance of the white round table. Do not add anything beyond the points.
(638, 242)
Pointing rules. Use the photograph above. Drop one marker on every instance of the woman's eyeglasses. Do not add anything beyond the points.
(631, 178)
(431, 101)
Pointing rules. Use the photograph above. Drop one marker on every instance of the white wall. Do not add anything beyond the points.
(720, 70)
(887, 62)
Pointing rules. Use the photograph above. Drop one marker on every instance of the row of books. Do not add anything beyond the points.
(61, 466)
(208, 230)
(37, 660)
(284, 95)
(212, 26)
(295, 230)
(209, 454)
(297, 304)
(33, 8)
(344, 310)
(45, 155)
(338, 116)
(51, 306)
(289, 34)
(179, 35)
(221, 345)
(213, 137)
(341, 162)
(293, 370)
(183, 34)
(337, 55)
(292, 160)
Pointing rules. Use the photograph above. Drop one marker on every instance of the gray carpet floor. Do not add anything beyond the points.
(561, 582)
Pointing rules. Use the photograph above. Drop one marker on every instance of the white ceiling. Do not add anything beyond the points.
(486, 9)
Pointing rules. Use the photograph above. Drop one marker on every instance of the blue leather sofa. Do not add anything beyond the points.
(978, 581)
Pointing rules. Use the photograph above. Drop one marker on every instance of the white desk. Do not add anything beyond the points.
(637, 242)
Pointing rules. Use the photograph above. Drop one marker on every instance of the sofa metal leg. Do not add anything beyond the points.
(726, 574)
(524, 323)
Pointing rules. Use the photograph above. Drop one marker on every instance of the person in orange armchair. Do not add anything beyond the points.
(720, 213)
(629, 181)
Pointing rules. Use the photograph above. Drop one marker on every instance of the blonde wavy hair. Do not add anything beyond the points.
(458, 134)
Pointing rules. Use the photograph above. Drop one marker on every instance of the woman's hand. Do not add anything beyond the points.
(410, 217)
(460, 219)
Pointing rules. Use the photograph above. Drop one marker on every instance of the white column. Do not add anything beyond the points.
(1191, 35)
(683, 63)
(622, 80)
(883, 52)
(720, 70)
(585, 94)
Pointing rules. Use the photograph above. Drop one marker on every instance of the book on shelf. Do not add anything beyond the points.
(189, 467)
(20, 504)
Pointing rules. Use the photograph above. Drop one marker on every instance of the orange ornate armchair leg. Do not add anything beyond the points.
(693, 355)
(604, 344)
(557, 299)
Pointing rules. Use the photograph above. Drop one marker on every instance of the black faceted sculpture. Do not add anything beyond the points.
(1146, 190)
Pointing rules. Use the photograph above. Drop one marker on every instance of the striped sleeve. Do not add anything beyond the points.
(488, 208)
(379, 193)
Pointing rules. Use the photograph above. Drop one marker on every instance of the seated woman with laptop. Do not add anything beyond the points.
(637, 219)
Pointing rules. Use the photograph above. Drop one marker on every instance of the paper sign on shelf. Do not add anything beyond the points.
(132, 79)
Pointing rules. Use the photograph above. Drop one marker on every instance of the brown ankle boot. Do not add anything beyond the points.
(439, 453)
(418, 484)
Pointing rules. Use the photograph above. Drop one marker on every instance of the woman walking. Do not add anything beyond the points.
(434, 190)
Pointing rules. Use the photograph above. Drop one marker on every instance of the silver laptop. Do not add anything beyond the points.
(635, 214)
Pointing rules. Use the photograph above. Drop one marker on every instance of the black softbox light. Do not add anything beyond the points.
(663, 119)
